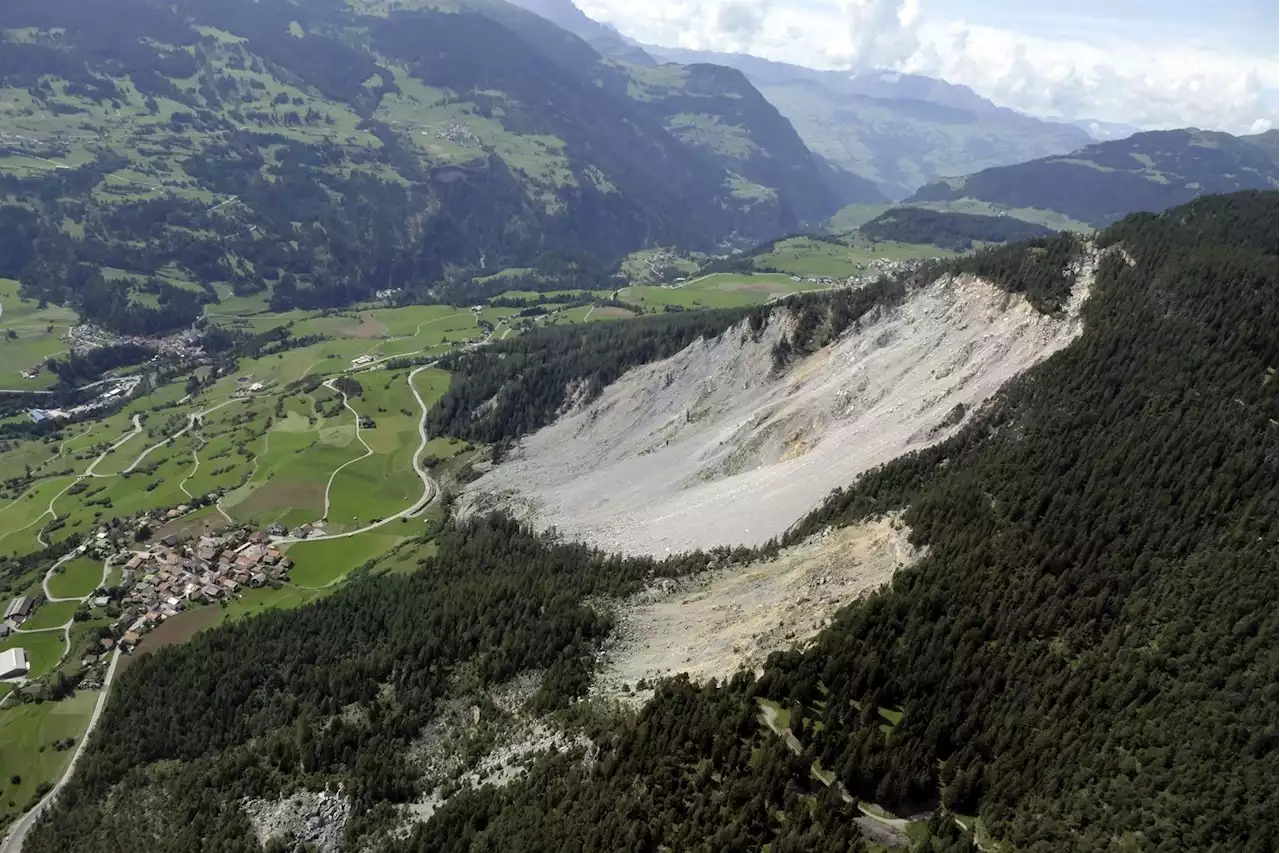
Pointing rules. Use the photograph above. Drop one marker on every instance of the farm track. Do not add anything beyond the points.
(191, 421)
(368, 451)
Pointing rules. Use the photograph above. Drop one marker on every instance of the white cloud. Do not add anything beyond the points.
(1159, 83)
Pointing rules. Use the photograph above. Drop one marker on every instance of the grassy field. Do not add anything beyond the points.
(856, 215)
(27, 736)
(51, 614)
(719, 290)
(77, 578)
(809, 258)
(44, 650)
(319, 564)
(29, 334)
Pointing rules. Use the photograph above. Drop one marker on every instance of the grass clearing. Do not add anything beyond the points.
(44, 650)
(319, 564)
(76, 578)
(27, 736)
(51, 614)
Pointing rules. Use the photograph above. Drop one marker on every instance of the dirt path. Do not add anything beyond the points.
(368, 451)
(191, 421)
(429, 487)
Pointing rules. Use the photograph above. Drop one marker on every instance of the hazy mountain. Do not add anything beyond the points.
(605, 39)
(325, 150)
(1102, 182)
(899, 130)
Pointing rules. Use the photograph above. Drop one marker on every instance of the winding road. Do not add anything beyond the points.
(368, 451)
(18, 830)
(429, 487)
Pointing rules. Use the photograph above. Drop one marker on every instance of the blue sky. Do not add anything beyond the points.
(1150, 63)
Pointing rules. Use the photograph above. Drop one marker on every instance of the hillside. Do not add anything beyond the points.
(899, 130)
(1083, 621)
(954, 231)
(605, 40)
(1100, 183)
(157, 157)
(716, 110)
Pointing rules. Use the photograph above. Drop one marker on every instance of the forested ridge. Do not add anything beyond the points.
(1102, 182)
(955, 231)
(337, 690)
(1083, 659)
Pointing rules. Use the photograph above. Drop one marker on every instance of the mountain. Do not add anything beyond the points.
(715, 109)
(900, 130)
(604, 39)
(1067, 604)
(1101, 183)
(165, 155)
(1269, 142)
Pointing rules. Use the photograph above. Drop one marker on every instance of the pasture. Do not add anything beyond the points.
(28, 734)
(327, 562)
(76, 578)
(29, 334)
(44, 650)
(718, 290)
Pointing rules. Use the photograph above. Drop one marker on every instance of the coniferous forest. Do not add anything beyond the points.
(1083, 660)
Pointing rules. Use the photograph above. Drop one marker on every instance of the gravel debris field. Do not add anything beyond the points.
(710, 447)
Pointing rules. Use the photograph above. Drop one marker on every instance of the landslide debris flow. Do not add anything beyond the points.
(712, 447)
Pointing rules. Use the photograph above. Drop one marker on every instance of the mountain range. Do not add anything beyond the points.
(1101, 183)
(899, 130)
(325, 150)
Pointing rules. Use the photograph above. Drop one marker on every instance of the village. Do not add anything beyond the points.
(172, 575)
(169, 576)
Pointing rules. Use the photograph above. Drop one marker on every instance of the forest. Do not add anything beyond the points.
(1084, 658)
(1103, 182)
(512, 387)
(955, 231)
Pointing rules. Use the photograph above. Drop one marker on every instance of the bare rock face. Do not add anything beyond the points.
(304, 817)
(710, 448)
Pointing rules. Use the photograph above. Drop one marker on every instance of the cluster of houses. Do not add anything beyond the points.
(172, 575)
(112, 391)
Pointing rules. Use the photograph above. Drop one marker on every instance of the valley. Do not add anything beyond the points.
(458, 426)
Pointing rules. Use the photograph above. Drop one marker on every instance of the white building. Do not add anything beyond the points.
(13, 663)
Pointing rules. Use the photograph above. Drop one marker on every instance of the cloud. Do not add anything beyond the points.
(1159, 83)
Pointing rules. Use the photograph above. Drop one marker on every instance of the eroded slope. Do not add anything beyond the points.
(710, 447)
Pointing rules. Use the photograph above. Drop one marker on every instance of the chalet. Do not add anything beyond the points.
(258, 580)
(131, 638)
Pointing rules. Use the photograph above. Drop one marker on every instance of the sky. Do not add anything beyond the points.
(1213, 64)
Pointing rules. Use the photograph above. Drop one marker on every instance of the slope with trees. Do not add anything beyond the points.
(1103, 182)
(164, 154)
(1084, 657)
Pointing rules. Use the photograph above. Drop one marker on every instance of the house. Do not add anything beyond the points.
(4, 630)
(13, 663)
(170, 541)
(19, 609)
(108, 644)
(130, 638)
(278, 529)
(258, 580)
(101, 601)
(211, 592)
